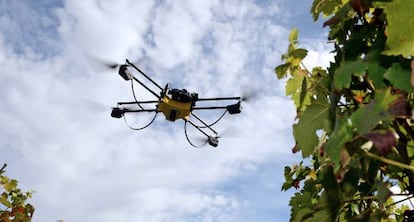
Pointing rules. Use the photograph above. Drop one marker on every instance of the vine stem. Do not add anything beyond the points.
(388, 161)
(2, 168)
(400, 201)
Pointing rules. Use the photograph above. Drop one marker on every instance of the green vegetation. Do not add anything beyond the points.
(13, 206)
(354, 123)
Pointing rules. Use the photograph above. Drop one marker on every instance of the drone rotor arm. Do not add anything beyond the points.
(205, 125)
(146, 87)
(135, 102)
(142, 73)
(202, 131)
(139, 110)
(219, 98)
(232, 109)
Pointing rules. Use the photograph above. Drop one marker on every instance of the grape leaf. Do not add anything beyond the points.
(400, 29)
(327, 209)
(383, 141)
(293, 36)
(302, 214)
(344, 73)
(296, 88)
(400, 108)
(301, 204)
(368, 116)
(376, 74)
(341, 134)
(399, 77)
(299, 53)
(281, 70)
(383, 192)
(312, 119)
(10, 185)
(301, 200)
(326, 7)
(4, 200)
(412, 72)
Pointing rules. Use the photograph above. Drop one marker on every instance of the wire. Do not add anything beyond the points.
(212, 124)
(188, 139)
(140, 128)
(133, 93)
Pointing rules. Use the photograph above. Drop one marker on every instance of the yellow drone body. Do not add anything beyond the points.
(173, 109)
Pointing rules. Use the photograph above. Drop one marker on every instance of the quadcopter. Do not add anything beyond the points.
(174, 103)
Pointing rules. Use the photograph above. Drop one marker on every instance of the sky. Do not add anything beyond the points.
(59, 140)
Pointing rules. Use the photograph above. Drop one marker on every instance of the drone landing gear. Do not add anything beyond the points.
(211, 140)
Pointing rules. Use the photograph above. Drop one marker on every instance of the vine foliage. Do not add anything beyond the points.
(13, 201)
(354, 125)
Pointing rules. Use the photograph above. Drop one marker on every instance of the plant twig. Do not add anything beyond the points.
(2, 168)
(388, 161)
(397, 202)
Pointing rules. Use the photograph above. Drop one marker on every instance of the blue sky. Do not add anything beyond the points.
(58, 138)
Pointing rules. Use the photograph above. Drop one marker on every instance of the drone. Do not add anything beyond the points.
(174, 103)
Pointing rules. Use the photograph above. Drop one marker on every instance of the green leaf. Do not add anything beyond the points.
(299, 53)
(10, 185)
(383, 192)
(326, 209)
(349, 184)
(301, 205)
(400, 29)
(4, 180)
(370, 115)
(281, 70)
(312, 119)
(293, 36)
(302, 214)
(327, 7)
(341, 134)
(399, 77)
(343, 74)
(296, 88)
(329, 183)
(4, 200)
(301, 200)
(376, 74)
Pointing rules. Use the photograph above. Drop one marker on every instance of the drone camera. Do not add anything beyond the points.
(234, 109)
(194, 98)
(181, 95)
(213, 141)
(124, 72)
(117, 112)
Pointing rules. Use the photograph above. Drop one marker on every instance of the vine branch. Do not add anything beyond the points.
(388, 161)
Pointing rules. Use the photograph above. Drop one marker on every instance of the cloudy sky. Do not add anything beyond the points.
(58, 138)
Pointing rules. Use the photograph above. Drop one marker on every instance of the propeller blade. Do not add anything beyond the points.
(112, 65)
(107, 64)
(249, 95)
(94, 106)
(100, 63)
(230, 132)
(201, 141)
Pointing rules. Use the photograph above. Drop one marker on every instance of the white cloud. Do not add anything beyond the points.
(319, 53)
